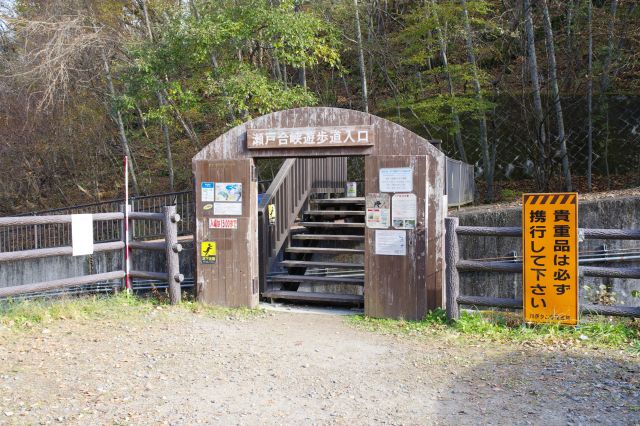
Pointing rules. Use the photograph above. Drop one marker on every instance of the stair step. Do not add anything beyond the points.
(334, 201)
(314, 297)
(319, 264)
(334, 212)
(315, 278)
(331, 225)
(324, 250)
(328, 237)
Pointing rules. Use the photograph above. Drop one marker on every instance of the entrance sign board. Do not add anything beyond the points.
(310, 137)
(550, 258)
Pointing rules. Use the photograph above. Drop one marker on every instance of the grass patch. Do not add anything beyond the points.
(28, 314)
(594, 331)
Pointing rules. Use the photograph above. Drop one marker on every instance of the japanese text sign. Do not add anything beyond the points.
(550, 258)
(310, 137)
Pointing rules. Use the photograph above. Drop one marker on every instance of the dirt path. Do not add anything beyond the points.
(284, 368)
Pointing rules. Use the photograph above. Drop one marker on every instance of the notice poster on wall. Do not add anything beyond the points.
(219, 223)
(207, 191)
(377, 210)
(81, 234)
(397, 179)
(404, 211)
(226, 192)
(391, 243)
(227, 209)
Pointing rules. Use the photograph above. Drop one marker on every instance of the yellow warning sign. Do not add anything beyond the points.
(271, 209)
(208, 252)
(550, 258)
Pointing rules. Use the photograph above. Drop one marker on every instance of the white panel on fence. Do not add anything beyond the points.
(82, 234)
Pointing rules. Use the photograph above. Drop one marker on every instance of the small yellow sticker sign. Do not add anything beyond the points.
(271, 209)
(550, 258)
(208, 252)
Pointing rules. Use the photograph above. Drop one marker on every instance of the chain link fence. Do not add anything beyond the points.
(616, 139)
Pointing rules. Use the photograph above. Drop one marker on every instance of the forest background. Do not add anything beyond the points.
(537, 94)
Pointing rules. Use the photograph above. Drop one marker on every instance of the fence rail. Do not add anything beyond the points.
(169, 218)
(30, 235)
(455, 265)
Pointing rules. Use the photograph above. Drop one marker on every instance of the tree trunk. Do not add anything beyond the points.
(541, 139)
(167, 144)
(604, 79)
(484, 143)
(553, 72)
(590, 97)
(161, 102)
(445, 64)
(363, 69)
(121, 131)
(605, 83)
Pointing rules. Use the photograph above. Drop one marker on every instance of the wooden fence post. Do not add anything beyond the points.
(452, 255)
(172, 248)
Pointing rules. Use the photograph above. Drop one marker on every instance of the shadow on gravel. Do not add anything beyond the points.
(546, 386)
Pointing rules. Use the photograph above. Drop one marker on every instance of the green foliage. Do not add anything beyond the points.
(221, 60)
(28, 314)
(507, 327)
(427, 93)
(508, 194)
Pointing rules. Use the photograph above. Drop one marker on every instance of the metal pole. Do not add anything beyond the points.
(127, 263)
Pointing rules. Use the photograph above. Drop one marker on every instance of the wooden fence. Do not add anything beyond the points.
(169, 218)
(455, 266)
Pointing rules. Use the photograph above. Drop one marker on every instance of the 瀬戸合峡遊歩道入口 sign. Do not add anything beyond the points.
(550, 258)
(311, 137)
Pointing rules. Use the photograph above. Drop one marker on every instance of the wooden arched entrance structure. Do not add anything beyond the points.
(406, 284)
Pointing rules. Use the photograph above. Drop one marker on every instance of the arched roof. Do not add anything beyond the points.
(390, 139)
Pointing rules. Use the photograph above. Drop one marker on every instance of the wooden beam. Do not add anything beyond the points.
(593, 234)
(57, 284)
(147, 275)
(62, 218)
(56, 251)
(146, 216)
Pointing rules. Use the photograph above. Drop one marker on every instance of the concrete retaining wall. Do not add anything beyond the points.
(623, 213)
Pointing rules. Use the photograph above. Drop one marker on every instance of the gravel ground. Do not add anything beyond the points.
(172, 367)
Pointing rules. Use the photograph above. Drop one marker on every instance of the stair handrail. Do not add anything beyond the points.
(287, 193)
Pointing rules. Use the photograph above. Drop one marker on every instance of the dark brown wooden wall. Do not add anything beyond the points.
(232, 281)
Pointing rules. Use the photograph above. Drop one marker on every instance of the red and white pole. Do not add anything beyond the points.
(126, 224)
